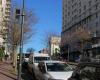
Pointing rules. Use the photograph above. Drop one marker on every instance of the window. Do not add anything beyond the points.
(96, 6)
(96, 15)
(38, 59)
(58, 67)
(84, 7)
(68, 13)
(72, 1)
(84, 21)
(90, 11)
(75, 17)
(90, 3)
(79, 10)
(79, 4)
(96, 24)
(89, 18)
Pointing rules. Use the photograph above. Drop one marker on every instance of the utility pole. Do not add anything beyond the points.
(21, 42)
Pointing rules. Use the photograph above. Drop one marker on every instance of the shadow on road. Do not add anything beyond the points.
(26, 75)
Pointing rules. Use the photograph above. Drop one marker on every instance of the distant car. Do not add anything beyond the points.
(86, 71)
(53, 70)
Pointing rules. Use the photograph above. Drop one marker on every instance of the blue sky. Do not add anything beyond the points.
(49, 13)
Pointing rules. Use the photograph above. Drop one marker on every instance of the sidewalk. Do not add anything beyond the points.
(6, 71)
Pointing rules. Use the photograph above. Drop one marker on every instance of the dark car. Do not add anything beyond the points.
(86, 71)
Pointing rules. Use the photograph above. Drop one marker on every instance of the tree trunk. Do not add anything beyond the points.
(82, 50)
(15, 58)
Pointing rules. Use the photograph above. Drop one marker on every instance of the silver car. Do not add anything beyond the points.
(51, 70)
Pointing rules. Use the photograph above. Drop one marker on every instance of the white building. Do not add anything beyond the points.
(54, 45)
(5, 7)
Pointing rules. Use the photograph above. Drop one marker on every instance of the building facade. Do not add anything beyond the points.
(76, 14)
(54, 45)
(5, 9)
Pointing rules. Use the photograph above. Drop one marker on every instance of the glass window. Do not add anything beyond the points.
(96, 6)
(79, 4)
(96, 24)
(90, 3)
(38, 59)
(57, 67)
(79, 10)
(96, 15)
(84, 7)
(90, 11)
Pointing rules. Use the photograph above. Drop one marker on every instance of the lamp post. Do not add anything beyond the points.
(21, 41)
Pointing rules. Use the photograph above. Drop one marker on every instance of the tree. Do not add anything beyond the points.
(14, 32)
(1, 53)
(30, 50)
(83, 35)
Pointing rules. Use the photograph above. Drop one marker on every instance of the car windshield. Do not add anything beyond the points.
(58, 67)
(38, 59)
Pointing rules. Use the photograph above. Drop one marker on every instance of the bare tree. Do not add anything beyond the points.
(83, 35)
(14, 32)
(30, 50)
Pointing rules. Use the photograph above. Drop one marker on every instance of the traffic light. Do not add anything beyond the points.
(17, 14)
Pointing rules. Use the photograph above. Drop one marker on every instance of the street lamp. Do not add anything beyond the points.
(21, 42)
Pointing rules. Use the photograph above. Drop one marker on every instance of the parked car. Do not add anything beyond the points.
(53, 70)
(86, 71)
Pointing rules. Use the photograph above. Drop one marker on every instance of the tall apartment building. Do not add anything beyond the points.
(5, 7)
(80, 13)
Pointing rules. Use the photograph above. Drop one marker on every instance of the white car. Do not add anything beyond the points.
(54, 70)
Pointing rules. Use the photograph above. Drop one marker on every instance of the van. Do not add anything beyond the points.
(34, 59)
